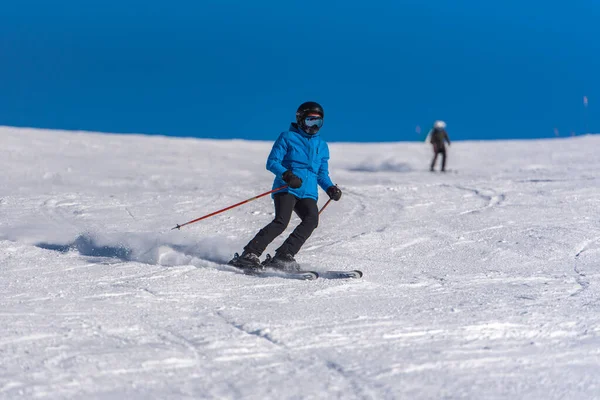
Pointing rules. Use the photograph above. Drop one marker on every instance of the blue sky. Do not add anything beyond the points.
(239, 69)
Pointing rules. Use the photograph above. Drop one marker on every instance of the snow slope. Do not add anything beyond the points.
(481, 283)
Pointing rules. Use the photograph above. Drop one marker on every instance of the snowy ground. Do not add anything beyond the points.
(482, 283)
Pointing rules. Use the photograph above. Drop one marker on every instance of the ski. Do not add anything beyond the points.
(331, 274)
(266, 269)
(302, 274)
(267, 272)
(352, 274)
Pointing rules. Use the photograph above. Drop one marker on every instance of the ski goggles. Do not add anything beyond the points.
(313, 120)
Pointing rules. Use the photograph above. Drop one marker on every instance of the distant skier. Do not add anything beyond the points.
(299, 158)
(437, 137)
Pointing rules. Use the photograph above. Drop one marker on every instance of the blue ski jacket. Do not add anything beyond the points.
(307, 156)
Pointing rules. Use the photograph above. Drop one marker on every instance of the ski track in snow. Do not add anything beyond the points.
(481, 283)
(491, 198)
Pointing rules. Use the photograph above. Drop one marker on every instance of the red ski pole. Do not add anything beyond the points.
(229, 208)
(326, 204)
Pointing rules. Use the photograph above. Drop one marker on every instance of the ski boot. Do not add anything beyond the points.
(247, 260)
(284, 262)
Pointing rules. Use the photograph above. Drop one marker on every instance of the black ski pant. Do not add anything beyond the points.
(438, 150)
(285, 203)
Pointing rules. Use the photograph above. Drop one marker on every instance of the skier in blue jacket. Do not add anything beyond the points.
(299, 159)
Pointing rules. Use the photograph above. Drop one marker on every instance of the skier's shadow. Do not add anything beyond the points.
(86, 246)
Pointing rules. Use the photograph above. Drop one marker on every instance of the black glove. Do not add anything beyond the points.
(334, 193)
(292, 180)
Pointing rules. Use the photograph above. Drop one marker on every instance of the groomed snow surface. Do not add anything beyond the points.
(481, 283)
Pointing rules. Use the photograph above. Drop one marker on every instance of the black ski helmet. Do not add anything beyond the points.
(305, 109)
